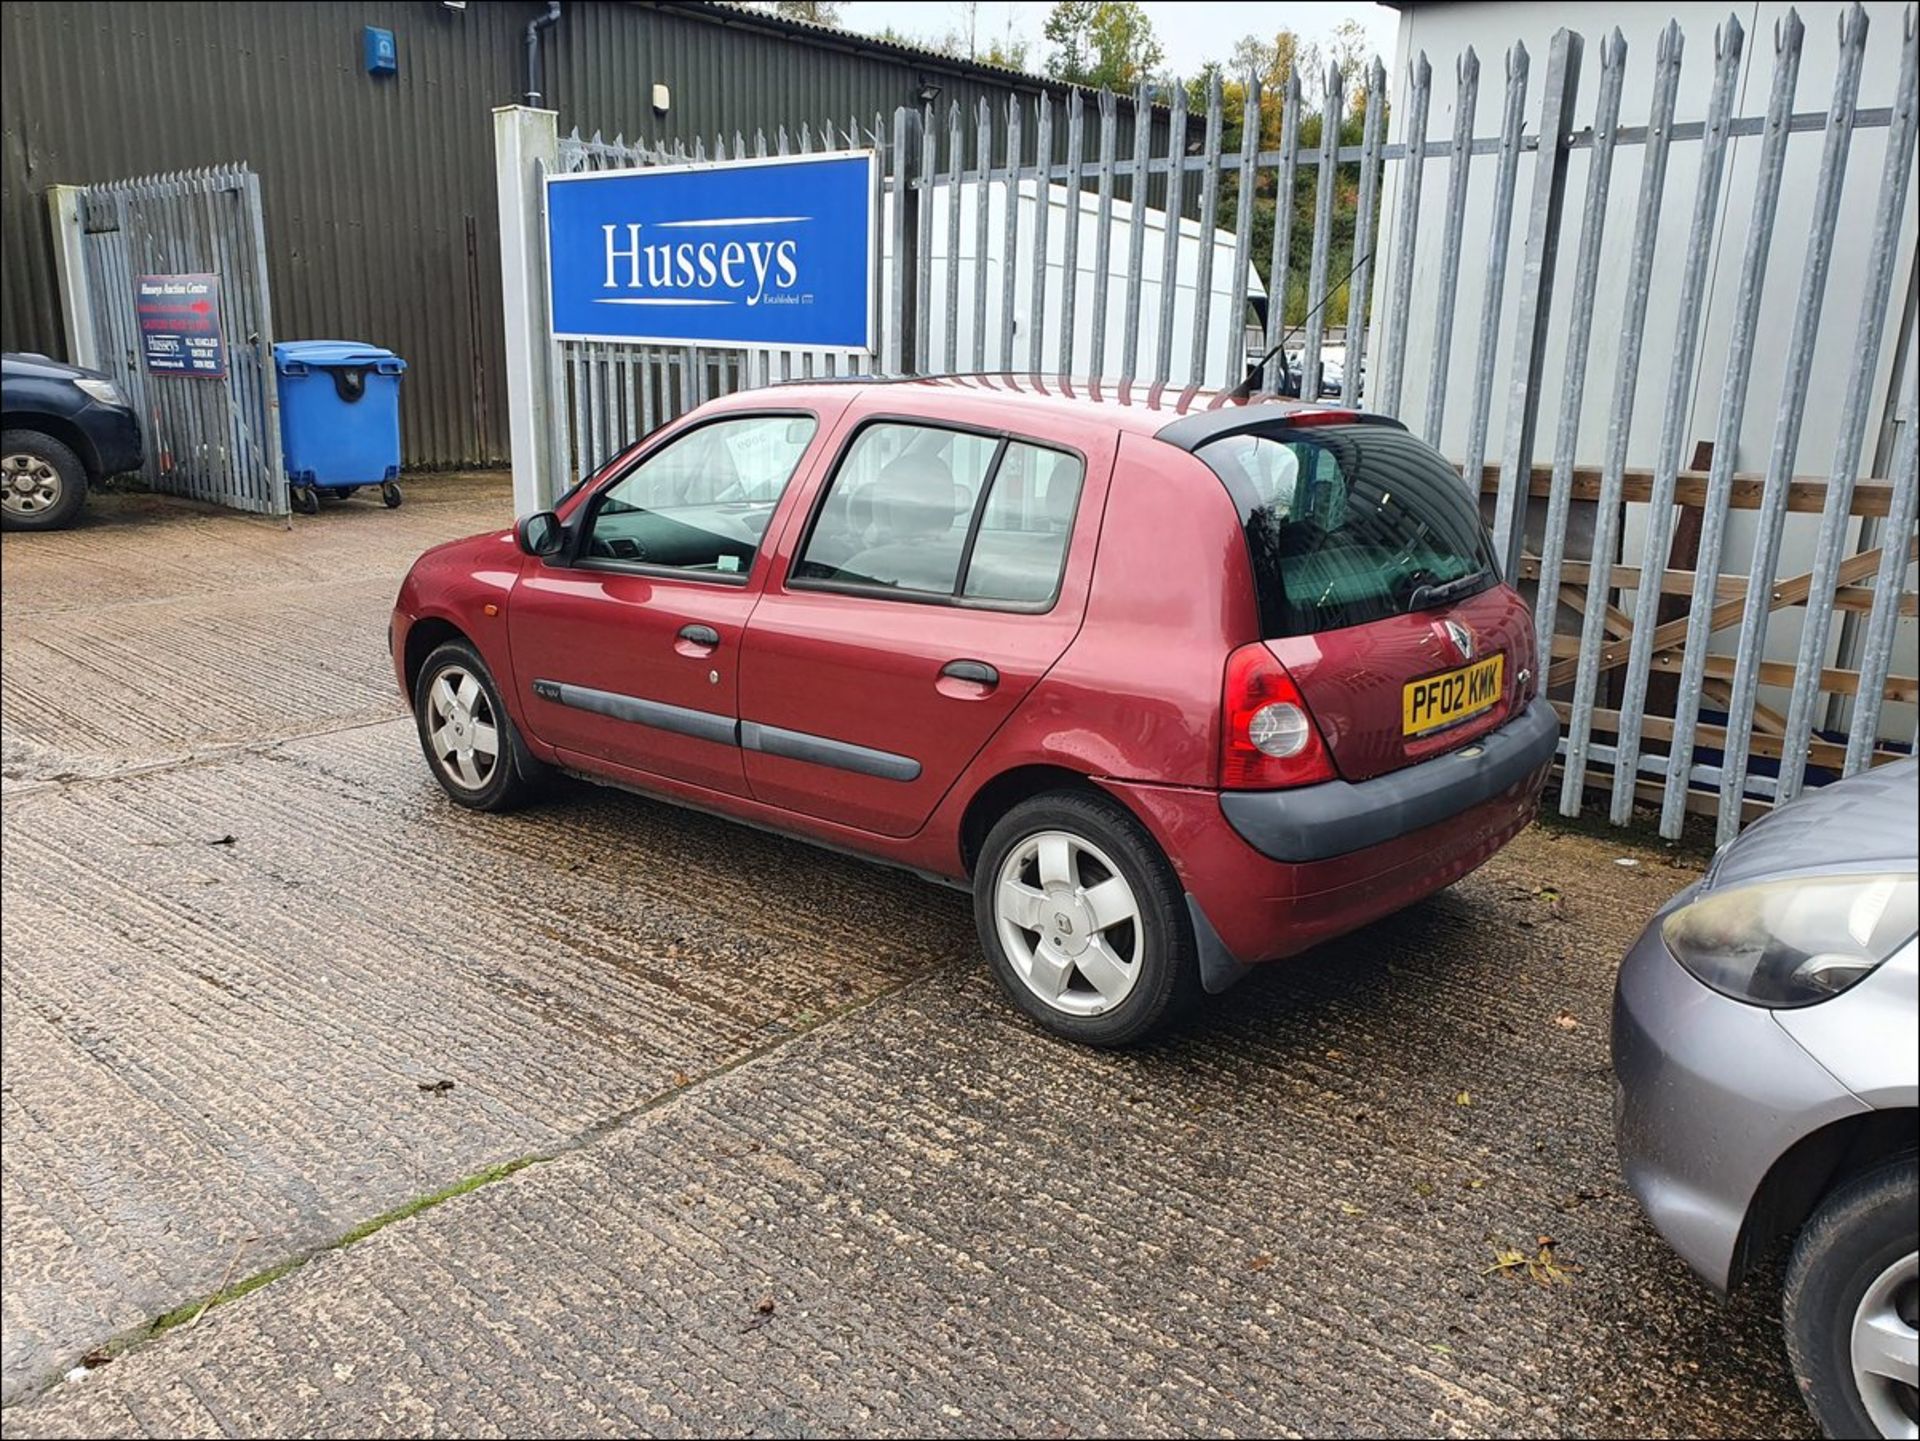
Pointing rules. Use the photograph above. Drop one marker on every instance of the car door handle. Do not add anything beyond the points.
(977, 671)
(700, 635)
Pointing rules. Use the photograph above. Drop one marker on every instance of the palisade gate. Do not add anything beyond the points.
(1629, 332)
(164, 288)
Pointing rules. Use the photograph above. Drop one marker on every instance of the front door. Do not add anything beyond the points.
(626, 648)
(923, 604)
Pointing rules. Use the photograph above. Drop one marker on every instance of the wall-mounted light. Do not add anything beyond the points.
(662, 98)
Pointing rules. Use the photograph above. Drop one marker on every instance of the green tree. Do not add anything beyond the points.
(1106, 44)
(818, 12)
(1267, 62)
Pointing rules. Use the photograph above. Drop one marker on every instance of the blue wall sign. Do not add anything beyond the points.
(378, 49)
(180, 325)
(775, 252)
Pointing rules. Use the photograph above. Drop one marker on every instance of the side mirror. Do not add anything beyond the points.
(540, 533)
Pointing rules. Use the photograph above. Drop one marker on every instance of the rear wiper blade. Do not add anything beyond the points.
(1427, 596)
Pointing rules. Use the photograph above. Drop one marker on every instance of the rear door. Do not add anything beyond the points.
(1377, 589)
(928, 593)
(626, 651)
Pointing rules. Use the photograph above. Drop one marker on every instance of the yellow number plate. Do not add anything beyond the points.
(1441, 700)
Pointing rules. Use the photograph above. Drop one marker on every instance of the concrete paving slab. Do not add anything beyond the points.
(158, 629)
(768, 1074)
(926, 1219)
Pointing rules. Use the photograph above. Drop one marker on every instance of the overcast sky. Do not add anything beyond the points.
(1190, 31)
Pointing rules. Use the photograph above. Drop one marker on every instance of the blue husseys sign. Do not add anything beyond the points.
(749, 253)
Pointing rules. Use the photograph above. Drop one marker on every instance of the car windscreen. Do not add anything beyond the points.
(1347, 524)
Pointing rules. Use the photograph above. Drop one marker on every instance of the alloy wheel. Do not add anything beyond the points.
(1069, 923)
(462, 731)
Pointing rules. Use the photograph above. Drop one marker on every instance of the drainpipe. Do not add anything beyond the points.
(534, 27)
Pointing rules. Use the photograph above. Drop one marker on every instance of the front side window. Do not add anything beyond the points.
(945, 513)
(702, 502)
(1348, 524)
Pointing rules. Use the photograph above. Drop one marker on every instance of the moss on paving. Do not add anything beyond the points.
(192, 1311)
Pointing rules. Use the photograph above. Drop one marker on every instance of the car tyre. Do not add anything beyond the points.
(467, 736)
(1083, 920)
(57, 478)
(1851, 1282)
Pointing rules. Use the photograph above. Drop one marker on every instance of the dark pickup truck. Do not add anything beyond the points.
(64, 429)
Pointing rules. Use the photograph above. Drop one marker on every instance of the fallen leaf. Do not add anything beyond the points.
(1423, 1188)
(1260, 1262)
(1347, 1208)
(1336, 1055)
(1565, 1021)
(1465, 1098)
(1543, 1266)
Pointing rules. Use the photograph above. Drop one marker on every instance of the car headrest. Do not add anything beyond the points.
(914, 496)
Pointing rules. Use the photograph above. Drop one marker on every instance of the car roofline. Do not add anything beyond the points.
(1223, 413)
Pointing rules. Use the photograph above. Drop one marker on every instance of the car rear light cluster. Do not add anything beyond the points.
(1268, 738)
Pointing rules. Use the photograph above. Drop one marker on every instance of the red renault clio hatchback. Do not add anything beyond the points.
(1176, 683)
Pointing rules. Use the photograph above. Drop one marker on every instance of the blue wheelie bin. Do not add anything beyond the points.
(339, 419)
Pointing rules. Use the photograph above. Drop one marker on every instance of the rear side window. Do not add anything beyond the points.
(1348, 524)
(934, 513)
(1022, 539)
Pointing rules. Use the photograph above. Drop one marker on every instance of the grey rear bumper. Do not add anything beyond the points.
(1335, 817)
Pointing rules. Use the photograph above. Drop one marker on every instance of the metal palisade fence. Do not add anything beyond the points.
(214, 437)
(1620, 332)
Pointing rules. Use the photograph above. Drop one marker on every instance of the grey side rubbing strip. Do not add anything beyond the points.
(841, 755)
(700, 724)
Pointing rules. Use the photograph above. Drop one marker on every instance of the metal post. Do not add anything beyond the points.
(1282, 253)
(1466, 93)
(1787, 34)
(1243, 228)
(1393, 343)
(1586, 274)
(522, 139)
(1729, 41)
(70, 266)
(1896, 176)
(1633, 329)
(903, 231)
(1209, 203)
(1360, 284)
(1524, 381)
(1500, 227)
(1322, 236)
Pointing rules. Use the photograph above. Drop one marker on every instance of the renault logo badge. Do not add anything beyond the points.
(1461, 637)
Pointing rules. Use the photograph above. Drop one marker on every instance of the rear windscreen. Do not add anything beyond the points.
(1350, 523)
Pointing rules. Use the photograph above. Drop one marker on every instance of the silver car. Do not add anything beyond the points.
(1764, 1045)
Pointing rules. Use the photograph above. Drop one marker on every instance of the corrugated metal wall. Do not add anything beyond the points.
(379, 192)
